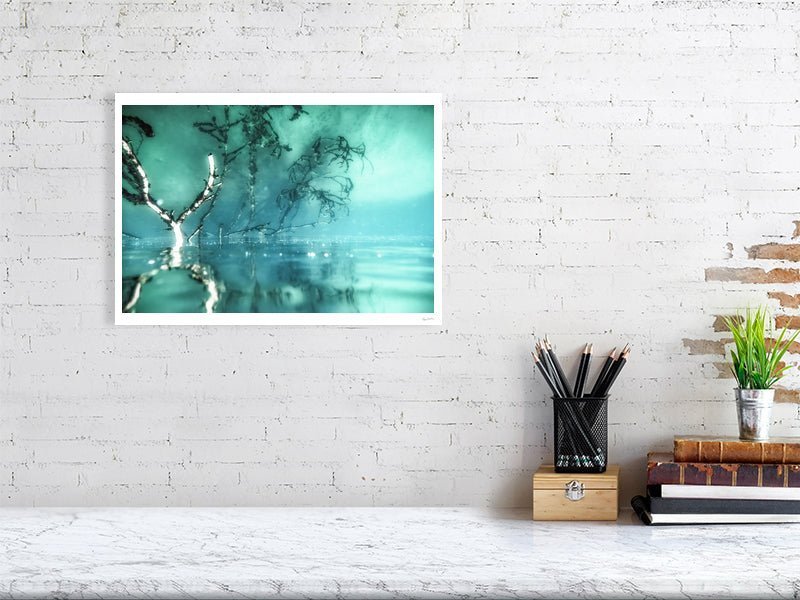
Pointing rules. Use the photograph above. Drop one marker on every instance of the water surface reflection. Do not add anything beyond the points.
(295, 276)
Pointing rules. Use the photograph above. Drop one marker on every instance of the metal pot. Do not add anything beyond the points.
(754, 409)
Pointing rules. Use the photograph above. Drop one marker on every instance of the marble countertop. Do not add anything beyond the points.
(382, 553)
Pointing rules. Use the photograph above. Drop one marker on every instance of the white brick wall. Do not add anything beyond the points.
(598, 157)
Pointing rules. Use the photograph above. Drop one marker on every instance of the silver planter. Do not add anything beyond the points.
(754, 409)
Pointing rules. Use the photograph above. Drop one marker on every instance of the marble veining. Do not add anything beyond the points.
(382, 553)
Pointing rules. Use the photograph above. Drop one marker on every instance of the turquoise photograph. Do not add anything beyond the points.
(248, 208)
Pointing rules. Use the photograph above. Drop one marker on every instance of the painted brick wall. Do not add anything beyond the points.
(613, 171)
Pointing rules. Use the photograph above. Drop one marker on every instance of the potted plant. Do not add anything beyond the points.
(756, 364)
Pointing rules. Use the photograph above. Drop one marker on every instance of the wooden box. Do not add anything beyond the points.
(575, 496)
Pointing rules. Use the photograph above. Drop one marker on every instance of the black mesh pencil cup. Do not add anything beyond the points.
(581, 434)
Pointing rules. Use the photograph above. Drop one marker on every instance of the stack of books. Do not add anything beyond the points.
(722, 480)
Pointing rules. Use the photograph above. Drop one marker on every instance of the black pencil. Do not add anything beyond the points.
(579, 373)
(547, 359)
(614, 373)
(598, 383)
(583, 369)
(544, 366)
(545, 374)
(559, 371)
(570, 436)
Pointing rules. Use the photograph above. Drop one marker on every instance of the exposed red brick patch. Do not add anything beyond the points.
(775, 251)
(753, 275)
(796, 230)
(794, 347)
(717, 347)
(719, 325)
(786, 300)
(723, 370)
(719, 322)
(787, 395)
(705, 347)
(789, 321)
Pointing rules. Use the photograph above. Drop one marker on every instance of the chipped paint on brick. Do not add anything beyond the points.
(719, 322)
(786, 300)
(702, 347)
(784, 395)
(788, 321)
(753, 275)
(775, 252)
(722, 370)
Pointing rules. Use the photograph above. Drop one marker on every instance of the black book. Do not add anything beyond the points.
(715, 506)
(642, 506)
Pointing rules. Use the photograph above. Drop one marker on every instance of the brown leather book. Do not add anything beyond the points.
(782, 451)
(663, 469)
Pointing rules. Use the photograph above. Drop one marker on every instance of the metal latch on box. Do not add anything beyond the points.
(573, 490)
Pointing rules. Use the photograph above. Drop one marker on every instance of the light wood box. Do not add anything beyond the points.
(575, 496)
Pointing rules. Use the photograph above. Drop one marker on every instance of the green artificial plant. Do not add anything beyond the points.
(756, 357)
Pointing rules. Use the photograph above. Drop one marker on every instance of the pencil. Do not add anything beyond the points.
(547, 359)
(583, 369)
(546, 368)
(570, 435)
(598, 383)
(559, 371)
(614, 373)
(545, 374)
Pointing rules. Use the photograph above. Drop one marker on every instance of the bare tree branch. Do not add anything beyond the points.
(332, 192)
(203, 196)
(312, 176)
(133, 172)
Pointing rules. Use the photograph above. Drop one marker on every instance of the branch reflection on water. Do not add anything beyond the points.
(295, 276)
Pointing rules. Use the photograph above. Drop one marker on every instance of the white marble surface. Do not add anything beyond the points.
(382, 553)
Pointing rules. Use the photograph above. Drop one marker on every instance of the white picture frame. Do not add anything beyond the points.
(121, 317)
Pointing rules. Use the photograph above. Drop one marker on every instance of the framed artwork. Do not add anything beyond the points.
(278, 209)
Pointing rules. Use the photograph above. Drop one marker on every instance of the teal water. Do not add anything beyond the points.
(298, 276)
(277, 209)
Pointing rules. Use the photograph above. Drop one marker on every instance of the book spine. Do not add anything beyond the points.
(730, 474)
(735, 451)
(639, 505)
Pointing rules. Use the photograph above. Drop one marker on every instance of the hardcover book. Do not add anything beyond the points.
(713, 506)
(723, 492)
(662, 468)
(641, 506)
(733, 450)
